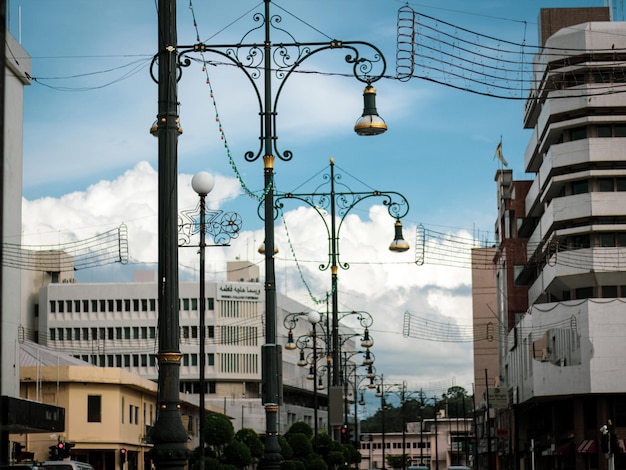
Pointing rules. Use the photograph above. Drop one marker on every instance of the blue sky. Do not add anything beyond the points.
(90, 163)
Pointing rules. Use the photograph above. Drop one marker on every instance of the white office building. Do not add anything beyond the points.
(565, 356)
(115, 325)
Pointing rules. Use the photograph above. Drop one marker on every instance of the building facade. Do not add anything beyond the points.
(563, 357)
(107, 410)
(115, 325)
(436, 443)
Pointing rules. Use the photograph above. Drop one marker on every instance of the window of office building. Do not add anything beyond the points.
(94, 408)
(152, 305)
(578, 133)
(144, 332)
(103, 305)
(135, 332)
(118, 305)
(127, 305)
(210, 359)
(61, 306)
(77, 306)
(53, 306)
(580, 187)
(110, 305)
(85, 306)
(52, 334)
(77, 334)
(152, 331)
(144, 305)
(605, 185)
(135, 305)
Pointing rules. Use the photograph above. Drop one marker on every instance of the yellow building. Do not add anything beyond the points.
(107, 409)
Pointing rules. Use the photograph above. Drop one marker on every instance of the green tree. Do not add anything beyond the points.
(317, 463)
(396, 460)
(301, 445)
(300, 427)
(219, 432)
(285, 449)
(237, 454)
(251, 439)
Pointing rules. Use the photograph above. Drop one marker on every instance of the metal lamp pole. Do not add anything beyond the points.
(202, 183)
(222, 227)
(340, 203)
(254, 59)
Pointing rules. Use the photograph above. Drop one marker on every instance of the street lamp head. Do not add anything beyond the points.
(311, 374)
(291, 345)
(367, 341)
(202, 183)
(302, 361)
(320, 384)
(399, 244)
(313, 317)
(367, 359)
(370, 123)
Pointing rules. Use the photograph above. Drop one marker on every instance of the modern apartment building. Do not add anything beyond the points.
(564, 356)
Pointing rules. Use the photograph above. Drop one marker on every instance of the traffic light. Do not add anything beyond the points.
(614, 444)
(349, 436)
(17, 451)
(54, 453)
(123, 455)
(344, 434)
(61, 450)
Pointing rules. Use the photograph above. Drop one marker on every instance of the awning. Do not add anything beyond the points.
(588, 446)
(564, 449)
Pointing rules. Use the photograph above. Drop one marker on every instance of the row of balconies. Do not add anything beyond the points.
(553, 173)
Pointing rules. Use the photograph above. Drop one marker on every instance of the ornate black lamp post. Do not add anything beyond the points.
(222, 227)
(262, 58)
(338, 340)
(340, 203)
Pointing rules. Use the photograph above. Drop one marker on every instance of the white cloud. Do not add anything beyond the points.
(383, 283)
